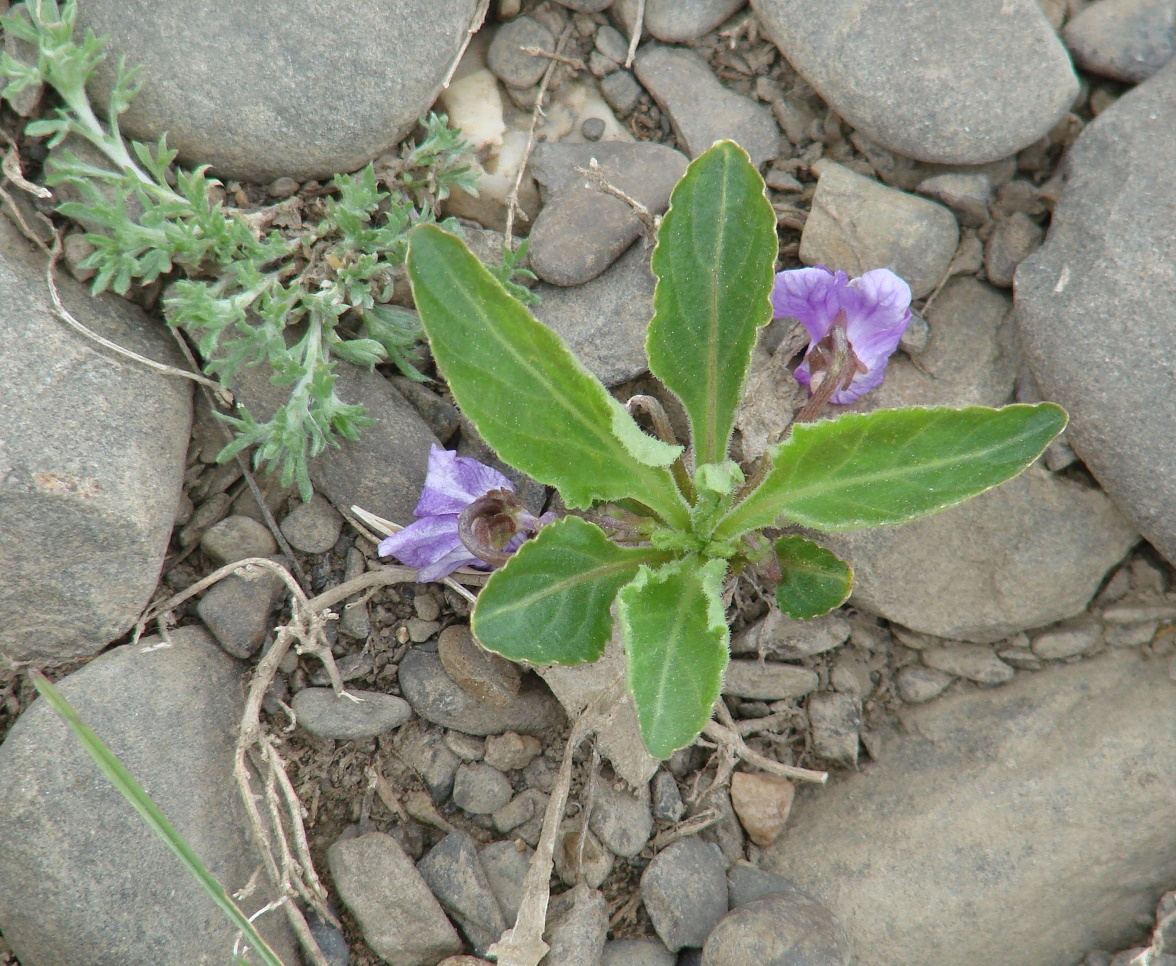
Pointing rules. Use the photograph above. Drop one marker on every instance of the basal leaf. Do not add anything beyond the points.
(715, 251)
(892, 465)
(530, 398)
(815, 579)
(550, 603)
(676, 647)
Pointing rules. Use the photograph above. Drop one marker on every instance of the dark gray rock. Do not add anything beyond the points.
(1014, 239)
(783, 929)
(747, 882)
(237, 609)
(621, 819)
(85, 879)
(512, 65)
(425, 751)
(312, 527)
(577, 937)
(970, 85)
(436, 698)
(506, 866)
(235, 538)
(1125, 40)
(1096, 305)
(684, 890)
(480, 789)
(680, 21)
(91, 463)
(612, 43)
(400, 919)
(665, 797)
(837, 723)
(452, 871)
(327, 715)
(701, 109)
(621, 91)
(298, 90)
(966, 804)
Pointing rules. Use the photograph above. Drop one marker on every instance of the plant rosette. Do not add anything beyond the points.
(654, 532)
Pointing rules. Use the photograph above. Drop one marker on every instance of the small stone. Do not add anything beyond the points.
(667, 800)
(506, 865)
(976, 662)
(330, 939)
(510, 63)
(1125, 40)
(420, 631)
(783, 929)
(779, 180)
(313, 527)
(837, 723)
(1131, 635)
(424, 750)
(441, 416)
(480, 789)
(324, 714)
(747, 882)
(426, 607)
(918, 684)
(1014, 240)
(1021, 658)
(789, 639)
(612, 43)
(282, 188)
(636, 952)
(857, 224)
(235, 538)
(76, 249)
(1128, 613)
(621, 820)
(850, 674)
(592, 129)
(466, 747)
(528, 805)
(452, 871)
(767, 681)
(684, 890)
(580, 855)
(577, 937)
(398, 916)
(621, 91)
(762, 803)
(967, 195)
(1059, 643)
(480, 673)
(510, 751)
(681, 21)
(237, 610)
(350, 667)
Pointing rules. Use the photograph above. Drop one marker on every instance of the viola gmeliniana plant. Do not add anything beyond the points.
(247, 283)
(654, 530)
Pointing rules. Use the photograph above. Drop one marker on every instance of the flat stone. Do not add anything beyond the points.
(621, 819)
(324, 714)
(976, 662)
(967, 195)
(437, 698)
(482, 674)
(480, 789)
(1013, 240)
(701, 109)
(684, 890)
(762, 803)
(965, 804)
(923, 86)
(397, 913)
(298, 90)
(1125, 40)
(747, 882)
(512, 65)
(91, 464)
(767, 681)
(312, 527)
(917, 684)
(680, 21)
(782, 929)
(510, 751)
(858, 224)
(235, 538)
(788, 639)
(452, 871)
(86, 880)
(1096, 305)
(636, 952)
(1059, 643)
(506, 865)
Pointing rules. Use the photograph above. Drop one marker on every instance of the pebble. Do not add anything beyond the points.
(89, 502)
(924, 86)
(1096, 305)
(324, 714)
(452, 871)
(235, 538)
(858, 224)
(512, 65)
(681, 21)
(480, 789)
(506, 865)
(621, 91)
(1131, 635)
(684, 890)
(1014, 239)
(762, 803)
(747, 882)
(236, 108)
(700, 109)
(1059, 643)
(510, 751)
(85, 878)
(767, 681)
(621, 819)
(577, 937)
(782, 929)
(666, 799)
(486, 676)
(589, 862)
(967, 195)
(917, 684)
(636, 952)
(788, 639)
(313, 527)
(581, 231)
(976, 662)
(426, 752)
(523, 815)
(586, 6)
(612, 43)
(399, 917)
(237, 610)
(1134, 613)
(350, 667)
(330, 939)
(837, 723)
(1125, 40)
(466, 747)
(971, 789)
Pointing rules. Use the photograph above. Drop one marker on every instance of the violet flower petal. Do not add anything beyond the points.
(810, 295)
(452, 482)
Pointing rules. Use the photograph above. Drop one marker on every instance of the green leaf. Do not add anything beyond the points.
(893, 465)
(550, 603)
(815, 579)
(676, 645)
(109, 764)
(529, 397)
(715, 252)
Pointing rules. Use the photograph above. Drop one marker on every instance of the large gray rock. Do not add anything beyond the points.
(91, 463)
(1126, 40)
(1096, 305)
(85, 879)
(1024, 825)
(265, 90)
(965, 84)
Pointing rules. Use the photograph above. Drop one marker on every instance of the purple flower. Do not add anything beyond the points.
(869, 313)
(433, 542)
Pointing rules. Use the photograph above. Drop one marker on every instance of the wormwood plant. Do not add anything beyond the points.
(247, 288)
(655, 530)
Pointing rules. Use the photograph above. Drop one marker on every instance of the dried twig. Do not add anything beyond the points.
(727, 737)
(475, 25)
(649, 221)
(635, 36)
(573, 62)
